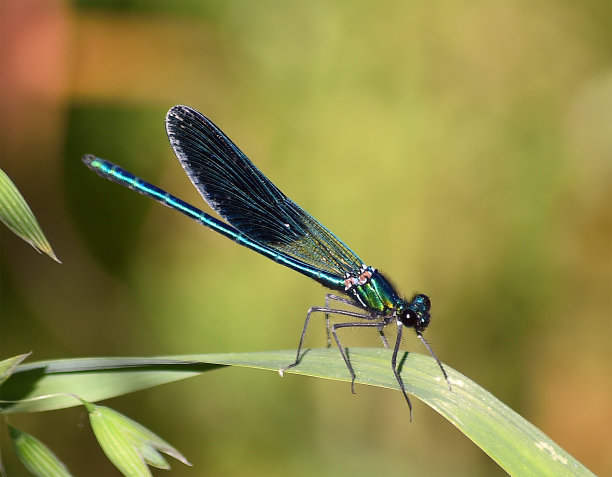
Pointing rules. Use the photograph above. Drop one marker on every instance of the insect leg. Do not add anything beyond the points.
(347, 301)
(394, 366)
(353, 303)
(337, 326)
(327, 311)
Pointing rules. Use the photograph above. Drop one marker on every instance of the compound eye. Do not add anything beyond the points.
(408, 318)
(423, 322)
(422, 301)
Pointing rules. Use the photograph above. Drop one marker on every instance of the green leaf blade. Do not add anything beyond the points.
(18, 217)
(50, 385)
(516, 445)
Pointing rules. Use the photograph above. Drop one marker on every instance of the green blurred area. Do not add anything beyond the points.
(463, 149)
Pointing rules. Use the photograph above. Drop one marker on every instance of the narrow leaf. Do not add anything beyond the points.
(17, 216)
(515, 444)
(7, 366)
(48, 385)
(36, 456)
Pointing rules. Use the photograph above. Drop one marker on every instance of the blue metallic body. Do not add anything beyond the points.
(121, 176)
(260, 217)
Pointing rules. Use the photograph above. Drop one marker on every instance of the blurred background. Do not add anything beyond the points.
(463, 149)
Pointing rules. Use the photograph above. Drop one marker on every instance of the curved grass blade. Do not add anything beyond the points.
(48, 385)
(17, 216)
(514, 443)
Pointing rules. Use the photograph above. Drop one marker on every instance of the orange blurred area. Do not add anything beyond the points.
(463, 149)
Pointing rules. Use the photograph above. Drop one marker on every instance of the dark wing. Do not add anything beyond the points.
(247, 199)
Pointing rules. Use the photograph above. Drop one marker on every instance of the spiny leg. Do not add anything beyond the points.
(394, 366)
(341, 299)
(431, 352)
(327, 311)
(337, 326)
(347, 301)
(382, 335)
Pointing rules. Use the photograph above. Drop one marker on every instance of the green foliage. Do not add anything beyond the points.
(36, 456)
(515, 444)
(129, 445)
(7, 366)
(17, 216)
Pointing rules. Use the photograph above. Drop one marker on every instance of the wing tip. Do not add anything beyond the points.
(176, 115)
(178, 111)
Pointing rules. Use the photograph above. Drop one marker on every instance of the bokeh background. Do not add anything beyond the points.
(463, 148)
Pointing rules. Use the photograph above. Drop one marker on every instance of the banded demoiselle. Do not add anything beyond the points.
(260, 217)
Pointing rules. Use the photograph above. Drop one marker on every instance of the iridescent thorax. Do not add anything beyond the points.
(257, 215)
(372, 291)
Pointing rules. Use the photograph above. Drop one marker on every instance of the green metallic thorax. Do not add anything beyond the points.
(376, 294)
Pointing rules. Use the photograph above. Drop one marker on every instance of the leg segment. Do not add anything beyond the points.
(337, 326)
(327, 311)
(347, 301)
(431, 352)
(382, 335)
(394, 366)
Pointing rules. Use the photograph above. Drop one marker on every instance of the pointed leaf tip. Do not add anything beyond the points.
(129, 445)
(8, 365)
(18, 217)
